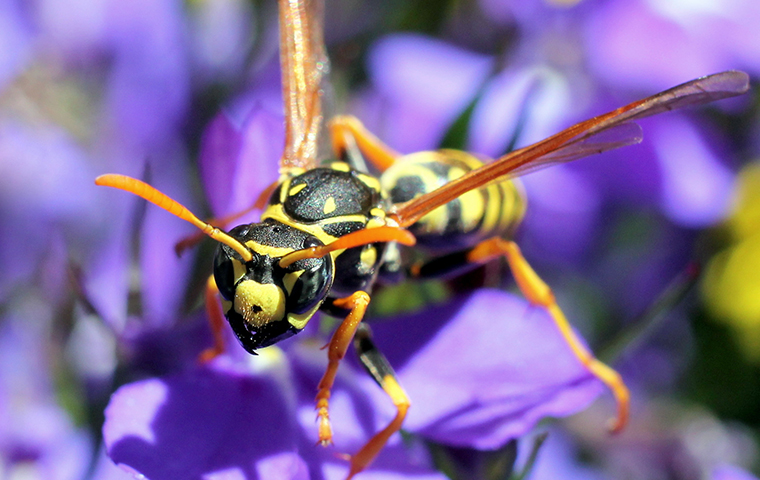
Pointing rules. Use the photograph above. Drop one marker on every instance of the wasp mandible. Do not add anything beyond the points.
(329, 230)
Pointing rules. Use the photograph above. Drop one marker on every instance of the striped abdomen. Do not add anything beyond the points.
(493, 210)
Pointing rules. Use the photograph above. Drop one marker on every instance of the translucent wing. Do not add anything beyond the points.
(610, 138)
(599, 134)
(304, 64)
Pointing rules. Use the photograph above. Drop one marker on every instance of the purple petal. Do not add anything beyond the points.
(494, 369)
(623, 36)
(729, 472)
(558, 458)
(220, 147)
(355, 416)
(163, 274)
(46, 192)
(202, 423)
(696, 186)
(14, 41)
(562, 216)
(36, 434)
(73, 30)
(403, 67)
(148, 87)
(498, 112)
(220, 37)
(238, 163)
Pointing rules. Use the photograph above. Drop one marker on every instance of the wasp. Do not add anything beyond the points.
(330, 231)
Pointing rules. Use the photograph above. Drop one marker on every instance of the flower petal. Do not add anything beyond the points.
(495, 368)
(202, 423)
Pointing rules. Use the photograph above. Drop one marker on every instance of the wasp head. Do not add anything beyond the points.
(263, 302)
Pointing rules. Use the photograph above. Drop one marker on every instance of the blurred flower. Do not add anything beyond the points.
(728, 472)
(732, 282)
(649, 44)
(38, 439)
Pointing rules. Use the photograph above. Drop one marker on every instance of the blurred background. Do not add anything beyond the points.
(91, 291)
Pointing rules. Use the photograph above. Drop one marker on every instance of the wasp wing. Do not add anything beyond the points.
(610, 138)
(304, 64)
(599, 134)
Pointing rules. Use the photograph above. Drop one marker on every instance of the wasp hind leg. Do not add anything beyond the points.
(538, 293)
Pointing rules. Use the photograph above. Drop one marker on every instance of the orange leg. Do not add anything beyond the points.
(538, 293)
(377, 366)
(347, 131)
(215, 319)
(336, 350)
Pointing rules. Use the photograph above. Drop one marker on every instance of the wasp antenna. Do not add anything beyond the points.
(145, 191)
(355, 239)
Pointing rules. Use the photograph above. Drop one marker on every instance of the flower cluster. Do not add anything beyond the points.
(97, 313)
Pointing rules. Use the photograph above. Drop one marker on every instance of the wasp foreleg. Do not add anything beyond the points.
(336, 350)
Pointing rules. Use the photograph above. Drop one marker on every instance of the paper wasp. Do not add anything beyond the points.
(328, 231)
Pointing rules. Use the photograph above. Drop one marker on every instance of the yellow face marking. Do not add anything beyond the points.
(329, 206)
(259, 303)
(294, 190)
(274, 252)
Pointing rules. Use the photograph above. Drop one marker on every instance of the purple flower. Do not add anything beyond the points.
(654, 45)
(239, 161)
(14, 41)
(404, 110)
(475, 378)
(729, 472)
(37, 436)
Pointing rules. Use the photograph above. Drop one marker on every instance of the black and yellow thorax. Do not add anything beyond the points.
(330, 202)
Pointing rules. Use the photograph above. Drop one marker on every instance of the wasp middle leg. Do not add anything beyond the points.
(381, 371)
